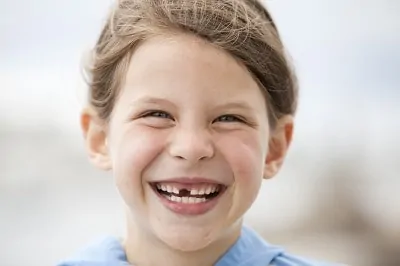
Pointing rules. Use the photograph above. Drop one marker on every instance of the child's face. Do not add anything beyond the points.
(188, 117)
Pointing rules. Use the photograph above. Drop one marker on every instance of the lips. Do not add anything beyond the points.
(189, 197)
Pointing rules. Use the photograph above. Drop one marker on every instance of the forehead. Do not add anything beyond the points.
(183, 66)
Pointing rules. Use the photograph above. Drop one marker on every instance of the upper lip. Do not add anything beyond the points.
(189, 180)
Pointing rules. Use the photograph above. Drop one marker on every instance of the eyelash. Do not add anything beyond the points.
(161, 114)
(233, 117)
(165, 115)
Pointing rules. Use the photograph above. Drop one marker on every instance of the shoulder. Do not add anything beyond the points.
(101, 252)
(286, 259)
(252, 250)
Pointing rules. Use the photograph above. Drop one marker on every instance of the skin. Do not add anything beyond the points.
(186, 109)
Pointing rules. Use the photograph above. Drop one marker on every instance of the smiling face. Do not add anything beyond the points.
(187, 141)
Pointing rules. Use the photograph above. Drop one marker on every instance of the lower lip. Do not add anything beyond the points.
(189, 208)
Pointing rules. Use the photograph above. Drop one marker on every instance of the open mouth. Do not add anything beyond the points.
(188, 193)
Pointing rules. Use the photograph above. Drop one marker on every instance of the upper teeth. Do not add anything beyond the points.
(204, 190)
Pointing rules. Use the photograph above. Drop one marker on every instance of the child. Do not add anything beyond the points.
(191, 106)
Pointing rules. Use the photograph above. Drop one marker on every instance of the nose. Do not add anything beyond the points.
(192, 145)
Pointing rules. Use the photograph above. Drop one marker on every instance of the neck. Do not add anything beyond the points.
(144, 249)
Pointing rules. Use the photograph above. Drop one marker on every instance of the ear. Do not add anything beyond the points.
(95, 136)
(279, 143)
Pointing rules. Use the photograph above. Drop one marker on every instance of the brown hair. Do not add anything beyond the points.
(243, 28)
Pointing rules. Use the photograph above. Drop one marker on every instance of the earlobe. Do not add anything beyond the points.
(278, 146)
(274, 158)
(95, 137)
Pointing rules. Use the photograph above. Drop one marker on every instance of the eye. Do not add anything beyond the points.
(229, 119)
(158, 114)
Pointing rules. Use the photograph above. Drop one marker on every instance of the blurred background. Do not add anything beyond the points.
(337, 198)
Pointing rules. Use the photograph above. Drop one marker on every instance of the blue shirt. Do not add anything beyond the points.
(249, 250)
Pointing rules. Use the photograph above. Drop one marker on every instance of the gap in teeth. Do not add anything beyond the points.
(198, 191)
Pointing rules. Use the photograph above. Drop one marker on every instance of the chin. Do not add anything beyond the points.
(187, 244)
(187, 239)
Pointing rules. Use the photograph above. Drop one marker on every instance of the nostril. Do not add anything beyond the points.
(183, 158)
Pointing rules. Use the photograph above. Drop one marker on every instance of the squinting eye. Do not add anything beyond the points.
(158, 114)
(228, 118)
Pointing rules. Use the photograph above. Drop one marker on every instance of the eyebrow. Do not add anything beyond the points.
(148, 99)
(241, 105)
(236, 105)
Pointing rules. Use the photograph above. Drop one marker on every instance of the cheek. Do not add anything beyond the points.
(245, 154)
(134, 150)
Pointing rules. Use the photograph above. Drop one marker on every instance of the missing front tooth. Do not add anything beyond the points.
(186, 193)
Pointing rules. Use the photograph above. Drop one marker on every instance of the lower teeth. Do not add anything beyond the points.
(185, 199)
